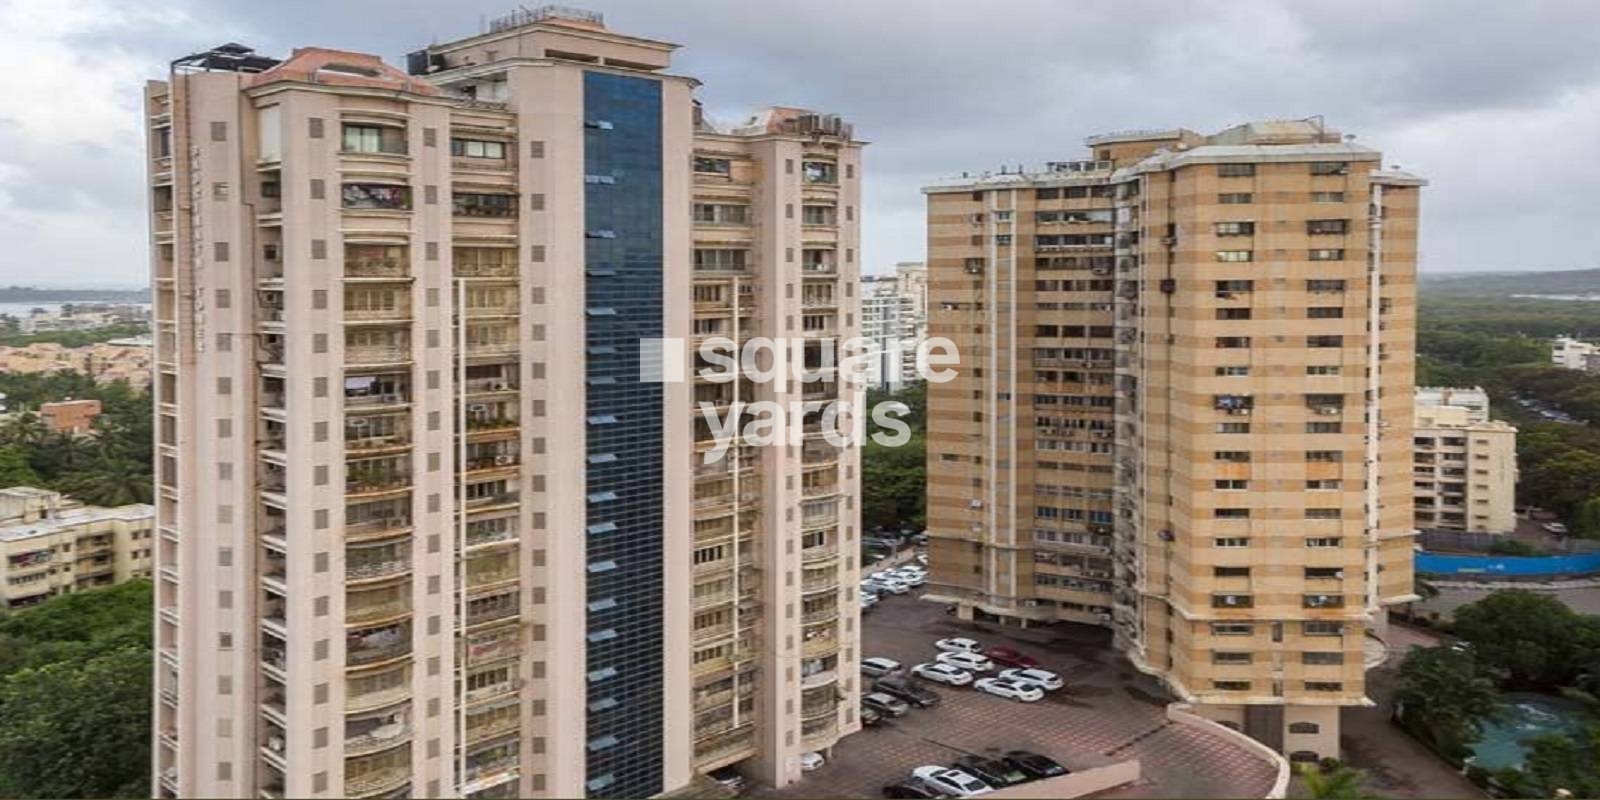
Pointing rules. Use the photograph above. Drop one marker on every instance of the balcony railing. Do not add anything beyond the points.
(503, 498)
(370, 612)
(377, 739)
(376, 354)
(374, 526)
(376, 781)
(370, 655)
(375, 268)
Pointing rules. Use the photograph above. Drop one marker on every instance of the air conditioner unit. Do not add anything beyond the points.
(976, 503)
(504, 461)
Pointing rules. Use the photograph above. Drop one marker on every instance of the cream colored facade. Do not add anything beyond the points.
(1465, 474)
(106, 362)
(1183, 410)
(1569, 353)
(396, 350)
(776, 237)
(51, 545)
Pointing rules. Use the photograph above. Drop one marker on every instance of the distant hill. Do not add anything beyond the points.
(31, 294)
(1502, 284)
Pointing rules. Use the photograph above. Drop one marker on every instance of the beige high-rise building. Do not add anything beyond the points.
(425, 527)
(52, 545)
(1183, 410)
(1466, 464)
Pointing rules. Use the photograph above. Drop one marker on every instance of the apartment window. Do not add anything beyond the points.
(1330, 168)
(374, 139)
(1235, 198)
(1322, 513)
(1328, 484)
(1233, 372)
(1002, 239)
(1227, 289)
(477, 148)
(1323, 601)
(1226, 657)
(1231, 686)
(1324, 341)
(819, 215)
(1322, 628)
(1232, 629)
(1324, 285)
(1318, 227)
(1231, 513)
(709, 259)
(376, 196)
(1232, 485)
(1235, 228)
(1235, 170)
(713, 166)
(1321, 542)
(1233, 456)
(1324, 573)
(1233, 342)
(1322, 369)
(1230, 572)
(1232, 601)
(819, 171)
(1232, 542)
(1235, 256)
(721, 213)
(471, 204)
(1322, 427)
(1325, 312)
(1324, 456)
(1233, 427)
(1324, 686)
(1327, 197)
(1320, 658)
(1233, 313)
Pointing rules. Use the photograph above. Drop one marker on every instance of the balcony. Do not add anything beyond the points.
(819, 581)
(395, 313)
(489, 385)
(389, 268)
(820, 732)
(819, 646)
(488, 501)
(358, 612)
(382, 526)
(360, 355)
(376, 781)
(381, 737)
(821, 552)
(381, 644)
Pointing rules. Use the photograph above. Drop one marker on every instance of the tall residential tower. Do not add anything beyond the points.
(1184, 410)
(423, 528)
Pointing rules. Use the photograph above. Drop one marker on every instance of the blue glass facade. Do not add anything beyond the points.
(623, 304)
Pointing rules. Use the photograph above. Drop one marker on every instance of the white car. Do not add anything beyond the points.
(868, 600)
(958, 644)
(893, 586)
(971, 662)
(951, 782)
(942, 673)
(1042, 678)
(922, 558)
(811, 761)
(1012, 690)
(914, 579)
(881, 576)
(878, 667)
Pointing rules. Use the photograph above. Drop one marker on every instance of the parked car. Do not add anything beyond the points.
(728, 777)
(1034, 765)
(1010, 657)
(914, 579)
(878, 667)
(1042, 678)
(942, 673)
(868, 600)
(912, 789)
(958, 644)
(1555, 527)
(885, 704)
(922, 558)
(952, 782)
(893, 586)
(971, 662)
(811, 761)
(903, 688)
(1011, 690)
(869, 717)
(995, 773)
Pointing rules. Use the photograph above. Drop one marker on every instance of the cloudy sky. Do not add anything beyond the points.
(1497, 104)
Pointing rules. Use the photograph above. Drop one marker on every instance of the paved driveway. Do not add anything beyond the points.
(1108, 713)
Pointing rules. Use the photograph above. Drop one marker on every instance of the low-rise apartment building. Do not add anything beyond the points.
(1465, 474)
(52, 545)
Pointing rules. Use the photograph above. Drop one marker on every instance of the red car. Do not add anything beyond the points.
(1008, 657)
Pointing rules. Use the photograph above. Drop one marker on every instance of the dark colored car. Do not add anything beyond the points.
(885, 704)
(995, 773)
(910, 789)
(1010, 657)
(904, 689)
(1034, 765)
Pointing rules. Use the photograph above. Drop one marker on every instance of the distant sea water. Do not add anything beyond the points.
(1588, 297)
(20, 310)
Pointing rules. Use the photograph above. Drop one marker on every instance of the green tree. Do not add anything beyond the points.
(77, 728)
(1560, 762)
(14, 468)
(1443, 697)
(1526, 637)
(1586, 521)
(1335, 782)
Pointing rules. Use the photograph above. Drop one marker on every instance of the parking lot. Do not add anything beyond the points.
(1108, 713)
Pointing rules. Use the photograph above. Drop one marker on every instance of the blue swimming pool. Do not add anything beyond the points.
(1525, 716)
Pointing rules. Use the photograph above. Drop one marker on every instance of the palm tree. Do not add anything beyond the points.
(1336, 782)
